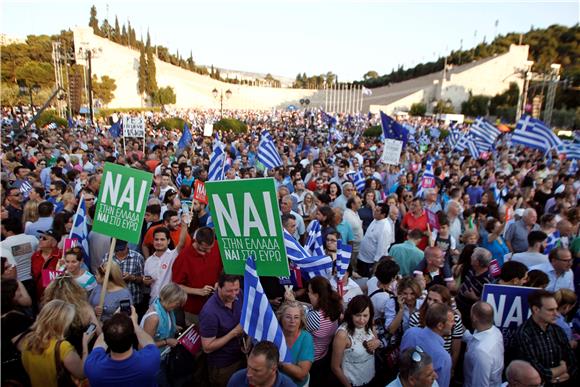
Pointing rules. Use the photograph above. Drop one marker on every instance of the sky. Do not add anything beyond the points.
(285, 38)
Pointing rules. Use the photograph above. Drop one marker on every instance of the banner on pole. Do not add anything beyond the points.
(208, 129)
(133, 126)
(392, 151)
(510, 306)
(123, 196)
(247, 222)
(432, 219)
(199, 192)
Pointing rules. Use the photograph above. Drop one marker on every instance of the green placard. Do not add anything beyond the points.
(123, 196)
(247, 222)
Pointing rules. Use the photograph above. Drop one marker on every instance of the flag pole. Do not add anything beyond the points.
(107, 273)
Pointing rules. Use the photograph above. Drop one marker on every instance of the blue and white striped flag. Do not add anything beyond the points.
(534, 133)
(570, 149)
(314, 243)
(358, 179)
(217, 162)
(453, 138)
(343, 254)
(428, 178)
(573, 168)
(552, 242)
(267, 153)
(258, 320)
(179, 180)
(311, 265)
(80, 231)
(473, 148)
(484, 134)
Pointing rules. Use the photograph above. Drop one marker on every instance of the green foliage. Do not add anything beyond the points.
(230, 124)
(314, 82)
(476, 105)
(370, 75)
(373, 131)
(151, 83)
(36, 73)
(104, 90)
(48, 117)
(105, 112)
(164, 96)
(504, 105)
(142, 76)
(171, 123)
(566, 118)
(418, 109)
(443, 107)
(93, 21)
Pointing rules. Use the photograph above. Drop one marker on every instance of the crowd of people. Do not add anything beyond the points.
(408, 312)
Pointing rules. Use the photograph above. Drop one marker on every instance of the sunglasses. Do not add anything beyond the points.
(417, 354)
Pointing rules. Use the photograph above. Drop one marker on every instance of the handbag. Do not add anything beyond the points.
(63, 377)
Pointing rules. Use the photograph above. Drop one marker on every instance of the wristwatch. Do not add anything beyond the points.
(557, 379)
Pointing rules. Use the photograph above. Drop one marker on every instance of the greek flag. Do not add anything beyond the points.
(484, 133)
(573, 168)
(552, 242)
(453, 138)
(267, 153)
(358, 179)
(80, 231)
(179, 180)
(473, 148)
(435, 132)
(343, 254)
(314, 242)
(217, 162)
(533, 133)
(328, 119)
(311, 265)
(570, 149)
(428, 178)
(258, 320)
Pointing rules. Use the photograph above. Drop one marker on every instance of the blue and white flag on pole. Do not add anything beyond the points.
(314, 244)
(258, 320)
(484, 133)
(312, 266)
(570, 149)
(267, 153)
(358, 179)
(217, 162)
(534, 133)
(328, 119)
(343, 254)
(80, 231)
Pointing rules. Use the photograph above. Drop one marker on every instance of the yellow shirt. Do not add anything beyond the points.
(42, 367)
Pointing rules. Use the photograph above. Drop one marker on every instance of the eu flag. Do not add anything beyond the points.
(393, 130)
(186, 137)
(115, 129)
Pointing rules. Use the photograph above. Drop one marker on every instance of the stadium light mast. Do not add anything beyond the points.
(522, 101)
(221, 94)
(554, 78)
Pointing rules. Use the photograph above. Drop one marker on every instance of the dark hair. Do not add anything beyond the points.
(350, 202)
(60, 186)
(12, 225)
(76, 251)
(328, 213)
(338, 189)
(270, 352)
(537, 279)
(223, 278)
(185, 190)
(436, 314)
(387, 270)
(415, 234)
(60, 220)
(154, 209)
(45, 209)
(465, 260)
(286, 218)
(536, 236)
(535, 298)
(8, 287)
(512, 270)
(328, 300)
(322, 197)
(119, 333)
(490, 224)
(162, 230)
(168, 214)
(204, 235)
(357, 305)
(39, 191)
(445, 297)
(555, 252)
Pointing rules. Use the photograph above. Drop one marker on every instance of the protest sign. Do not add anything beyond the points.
(510, 306)
(123, 196)
(392, 151)
(48, 276)
(247, 222)
(199, 193)
(133, 126)
(432, 219)
(208, 129)
(191, 340)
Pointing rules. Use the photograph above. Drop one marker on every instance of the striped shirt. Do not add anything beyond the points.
(322, 331)
(456, 333)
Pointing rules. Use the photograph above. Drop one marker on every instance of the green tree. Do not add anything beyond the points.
(330, 78)
(164, 96)
(104, 89)
(443, 107)
(93, 21)
(151, 87)
(124, 37)
(142, 79)
(106, 29)
(476, 105)
(117, 35)
(370, 75)
(36, 73)
(418, 109)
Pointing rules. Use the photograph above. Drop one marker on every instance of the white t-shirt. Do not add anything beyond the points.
(351, 289)
(159, 268)
(18, 249)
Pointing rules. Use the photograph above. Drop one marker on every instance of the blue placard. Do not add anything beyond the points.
(510, 306)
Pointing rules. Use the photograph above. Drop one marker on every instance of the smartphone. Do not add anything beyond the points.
(184, 209)
(91, 329)
(125, 306)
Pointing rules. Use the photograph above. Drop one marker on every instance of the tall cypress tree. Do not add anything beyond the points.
(142, 82)
(117, 30)
(93, 21)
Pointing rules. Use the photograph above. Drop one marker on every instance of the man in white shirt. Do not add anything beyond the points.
(483, 364)
(18, 249)
(286, 208)
(559, 270)
(377, 240)
(353, 219)
(159, 265)
(533, 256)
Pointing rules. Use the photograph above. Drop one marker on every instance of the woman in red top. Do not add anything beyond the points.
(416, 219)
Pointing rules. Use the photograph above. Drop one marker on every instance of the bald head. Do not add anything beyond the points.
(522, 373)
(482, 315)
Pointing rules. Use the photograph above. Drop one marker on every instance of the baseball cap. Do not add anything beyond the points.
(51, 233)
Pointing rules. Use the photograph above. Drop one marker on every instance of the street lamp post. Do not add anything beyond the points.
(25, 89)
(523, 100)
(220, 93)
(89, 54)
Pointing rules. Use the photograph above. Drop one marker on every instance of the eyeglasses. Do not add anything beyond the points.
(564, 260)
(90, 199)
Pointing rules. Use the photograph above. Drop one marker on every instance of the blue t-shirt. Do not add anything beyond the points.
(139, 370)
(302, 350)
